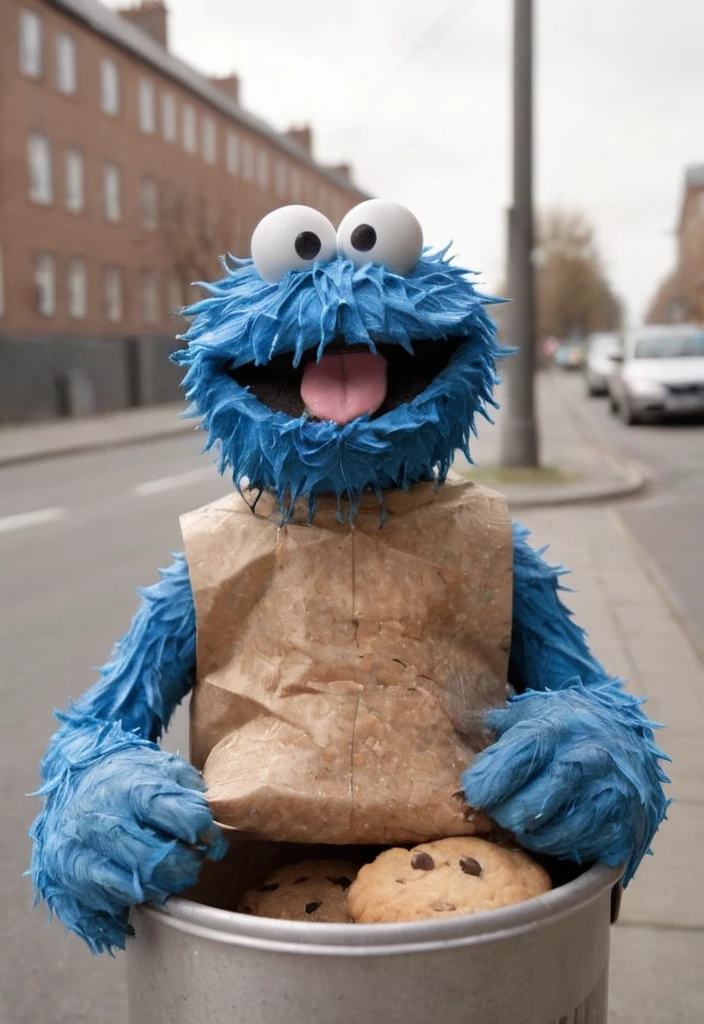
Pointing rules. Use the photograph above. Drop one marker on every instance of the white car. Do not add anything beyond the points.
(599, 365)
(658, 372)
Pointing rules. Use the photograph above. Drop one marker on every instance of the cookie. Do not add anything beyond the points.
(445, 878)
(311, 890)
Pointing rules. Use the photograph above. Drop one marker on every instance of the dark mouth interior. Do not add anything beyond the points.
(277, 384)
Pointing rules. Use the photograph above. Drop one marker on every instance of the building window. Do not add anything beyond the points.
(76, 280)
(73, 181)
(147, 113)
(295, 185)
(280, 179)
(45, 283)
(247, 160)
(232, 156)
(111, 192)
(189, 129)
(150, 297)
(175, 295)
(109, 87)
(262, 169)
(112, 294)
(66, 74)
(168, 116)
(209, 141)
(31, 44)
(41, 188)
(149, 203)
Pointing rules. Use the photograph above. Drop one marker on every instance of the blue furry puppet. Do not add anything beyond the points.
(338, 373)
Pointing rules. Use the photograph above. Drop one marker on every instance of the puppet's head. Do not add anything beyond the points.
(342, 361)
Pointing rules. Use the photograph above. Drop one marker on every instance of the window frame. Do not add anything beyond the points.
(189, 128)
(146, 103)
(209, 139)
(77, 262)
(70, 153)
(113, 273)
(70, 87)
(169, 120)
(50, 258)
(41, 196)
(108, 167)
(149, 276)
(109, 80)
(27, 16)
(149, 203)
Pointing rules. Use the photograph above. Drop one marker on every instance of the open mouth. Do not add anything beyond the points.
(348, 380)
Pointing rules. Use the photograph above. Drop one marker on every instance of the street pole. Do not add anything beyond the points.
(519, 439)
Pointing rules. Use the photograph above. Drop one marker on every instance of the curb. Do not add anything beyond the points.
(635, 480)
(96, 444)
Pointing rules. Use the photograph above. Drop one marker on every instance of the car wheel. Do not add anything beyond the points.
(626, 412)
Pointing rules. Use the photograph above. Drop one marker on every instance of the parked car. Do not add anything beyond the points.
(570, 355)
(659, 372)
(599, 365)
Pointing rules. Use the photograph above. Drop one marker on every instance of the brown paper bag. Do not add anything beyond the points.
(335, 660)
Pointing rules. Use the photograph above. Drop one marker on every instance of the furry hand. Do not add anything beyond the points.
(573, 773)
(124, 823)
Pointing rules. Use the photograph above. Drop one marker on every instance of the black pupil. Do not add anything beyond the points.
(363, 238)
(307, 245)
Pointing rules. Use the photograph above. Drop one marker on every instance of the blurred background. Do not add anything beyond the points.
(140, 142)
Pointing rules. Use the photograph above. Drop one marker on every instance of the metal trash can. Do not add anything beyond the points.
(540, 962)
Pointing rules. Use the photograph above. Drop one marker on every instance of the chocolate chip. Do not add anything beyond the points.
(268, 887)
(299, 880)
(442, 905)
(247, 910)
(312, 906)
(343, 882)
(470, 866)
(422, 861)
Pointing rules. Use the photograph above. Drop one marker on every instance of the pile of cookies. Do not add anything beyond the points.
(446, 878)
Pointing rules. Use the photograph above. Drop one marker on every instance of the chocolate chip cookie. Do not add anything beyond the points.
(445, 878)
(311, 890)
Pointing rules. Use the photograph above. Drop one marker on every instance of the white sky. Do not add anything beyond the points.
(415, 94)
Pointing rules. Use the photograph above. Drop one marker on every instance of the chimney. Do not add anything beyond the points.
(229, 85)
(343, 171)
(303, 137)
(151, 16)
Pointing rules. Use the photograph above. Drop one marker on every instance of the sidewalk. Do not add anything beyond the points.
(658, 944)
(578, 468)
(31, 441)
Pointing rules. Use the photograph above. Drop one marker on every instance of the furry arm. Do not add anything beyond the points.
(574, 770)
(124, 822)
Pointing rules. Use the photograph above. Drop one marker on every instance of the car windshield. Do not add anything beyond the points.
(669, 346)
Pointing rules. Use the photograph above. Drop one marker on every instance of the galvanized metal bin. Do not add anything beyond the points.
(540, 962)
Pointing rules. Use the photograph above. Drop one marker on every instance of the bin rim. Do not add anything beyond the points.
(319, 939)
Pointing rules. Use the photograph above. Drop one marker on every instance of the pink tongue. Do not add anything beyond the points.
(345, 385)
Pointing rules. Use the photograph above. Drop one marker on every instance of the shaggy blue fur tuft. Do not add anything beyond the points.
(244, 320)
(123, 822)
(574, 770)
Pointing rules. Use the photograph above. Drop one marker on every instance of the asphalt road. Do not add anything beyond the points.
(77, 534)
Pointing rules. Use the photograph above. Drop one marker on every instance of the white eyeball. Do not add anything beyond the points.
(379, 231)
(291, 238)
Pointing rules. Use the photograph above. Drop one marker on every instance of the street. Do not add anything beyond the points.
(79, 533)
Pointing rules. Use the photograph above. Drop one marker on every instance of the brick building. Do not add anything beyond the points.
(680, 297)
(123, 174)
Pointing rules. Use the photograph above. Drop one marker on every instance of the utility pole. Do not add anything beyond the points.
(519, 439)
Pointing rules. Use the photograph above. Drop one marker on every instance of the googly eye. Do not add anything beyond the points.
(291, 238)
(379, 231)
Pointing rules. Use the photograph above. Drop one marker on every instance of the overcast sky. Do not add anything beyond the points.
(415, 94)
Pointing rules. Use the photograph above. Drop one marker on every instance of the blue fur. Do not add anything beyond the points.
(244, 320)
(124, 822)
(574, 770)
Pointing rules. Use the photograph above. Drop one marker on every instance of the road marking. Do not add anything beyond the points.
(36, 518)
(170, 483)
